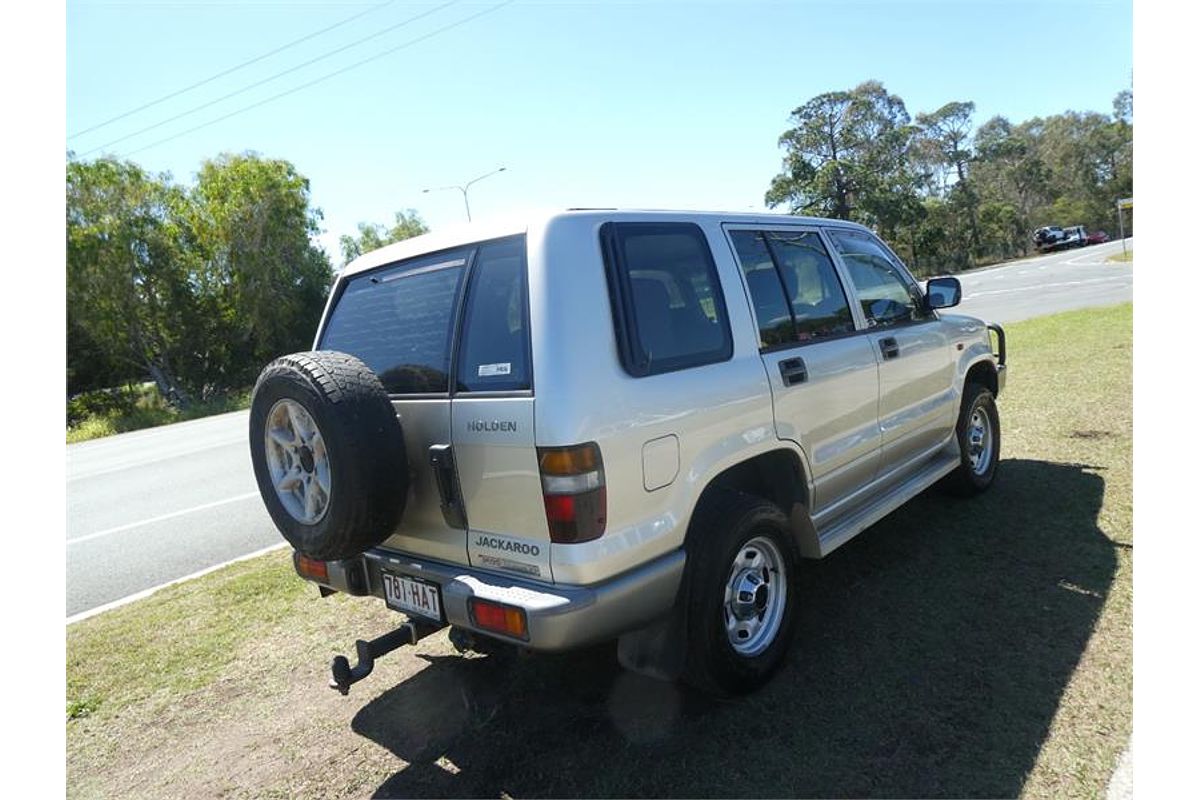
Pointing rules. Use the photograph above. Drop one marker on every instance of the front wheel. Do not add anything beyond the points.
(741, 593)
(978, 442)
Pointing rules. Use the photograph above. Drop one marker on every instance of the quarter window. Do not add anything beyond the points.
(666, 297)
(887, 295)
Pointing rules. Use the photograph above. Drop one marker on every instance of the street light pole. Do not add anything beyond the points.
(464, 188)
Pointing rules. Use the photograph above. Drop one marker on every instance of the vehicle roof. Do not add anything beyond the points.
(498, 227)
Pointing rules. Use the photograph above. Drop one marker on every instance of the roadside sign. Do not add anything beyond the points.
(1122, 204)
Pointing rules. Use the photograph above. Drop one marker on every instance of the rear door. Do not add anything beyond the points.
(400, 320)
(492, 418)
(823, 374)
(448, 335)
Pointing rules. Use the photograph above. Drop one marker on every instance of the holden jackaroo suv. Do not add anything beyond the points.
(631, 425)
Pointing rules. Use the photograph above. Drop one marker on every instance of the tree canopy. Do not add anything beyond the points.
(193, 286)
(374, 236)
(948, 193)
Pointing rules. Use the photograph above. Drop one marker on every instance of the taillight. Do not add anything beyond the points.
(573, 490)
(498, 617)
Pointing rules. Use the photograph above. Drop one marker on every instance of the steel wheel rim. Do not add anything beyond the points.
(980, 441)
(755, 597)
(298, 462)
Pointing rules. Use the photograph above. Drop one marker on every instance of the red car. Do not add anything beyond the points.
(1097, 237)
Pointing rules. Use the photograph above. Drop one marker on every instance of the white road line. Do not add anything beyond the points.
(1079, 260)
(147, 462)
(152, 520)
(1036, 287)
(91, 612)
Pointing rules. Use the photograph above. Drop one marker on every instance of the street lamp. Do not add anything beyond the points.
(464, 188)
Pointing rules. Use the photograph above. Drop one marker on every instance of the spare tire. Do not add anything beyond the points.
(328, 453)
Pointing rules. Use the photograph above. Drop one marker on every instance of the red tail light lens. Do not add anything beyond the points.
(573, 490)
(311, 568)
(498, 617)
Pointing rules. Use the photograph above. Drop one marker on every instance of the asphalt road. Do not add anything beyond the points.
(150, 507)
(1047, 284)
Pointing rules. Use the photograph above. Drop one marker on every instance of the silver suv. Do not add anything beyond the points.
(605, 424)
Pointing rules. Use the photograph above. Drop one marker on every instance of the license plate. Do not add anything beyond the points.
(412, 596)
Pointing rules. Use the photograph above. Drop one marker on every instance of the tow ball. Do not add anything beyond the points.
(344, 676)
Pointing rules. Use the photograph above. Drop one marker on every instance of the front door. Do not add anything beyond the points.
(917, 404)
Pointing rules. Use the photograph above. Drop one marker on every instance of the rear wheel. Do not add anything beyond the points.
(740, 593)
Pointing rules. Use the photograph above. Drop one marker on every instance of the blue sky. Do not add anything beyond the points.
(643, 104)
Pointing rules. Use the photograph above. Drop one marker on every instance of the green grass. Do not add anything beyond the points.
(93, 415)
(1121, 257)
(975, 647)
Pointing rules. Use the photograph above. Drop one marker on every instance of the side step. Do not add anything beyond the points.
(344, 676)
(843, 529)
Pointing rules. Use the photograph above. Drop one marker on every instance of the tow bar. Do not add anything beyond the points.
(345, 676)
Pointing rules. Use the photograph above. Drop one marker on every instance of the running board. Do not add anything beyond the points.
(843, 529)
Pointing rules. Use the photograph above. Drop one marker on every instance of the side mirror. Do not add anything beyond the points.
(942, 293)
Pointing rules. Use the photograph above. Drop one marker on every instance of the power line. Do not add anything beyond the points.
(324, 77)
(231, 70)
(270, 78)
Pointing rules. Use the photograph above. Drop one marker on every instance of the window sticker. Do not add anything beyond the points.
(491, 370)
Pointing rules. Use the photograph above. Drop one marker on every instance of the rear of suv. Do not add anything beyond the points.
(598, 424)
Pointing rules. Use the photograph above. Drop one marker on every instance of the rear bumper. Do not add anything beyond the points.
(558, 617)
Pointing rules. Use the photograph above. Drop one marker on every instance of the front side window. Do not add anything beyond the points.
(794, 287)
(666, 297)
(398, 320)
(887, 295)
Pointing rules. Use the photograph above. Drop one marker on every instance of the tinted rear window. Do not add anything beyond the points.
(399, 322)
(494, 354)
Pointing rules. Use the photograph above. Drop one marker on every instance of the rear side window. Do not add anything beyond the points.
(494, 354)
(775, 324)
(666, 296)
(795, 289)
(399, 322)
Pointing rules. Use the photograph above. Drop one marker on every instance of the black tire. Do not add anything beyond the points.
(368, 469)
(724, 522)
(967, 480)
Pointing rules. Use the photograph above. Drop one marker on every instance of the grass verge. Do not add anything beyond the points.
(1122, 257)
(958, 648)
(93, 415)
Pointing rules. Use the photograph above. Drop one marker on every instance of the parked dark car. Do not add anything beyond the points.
(1047, 238)
(1097, 237)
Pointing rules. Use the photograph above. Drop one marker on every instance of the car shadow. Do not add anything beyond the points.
(931, 656)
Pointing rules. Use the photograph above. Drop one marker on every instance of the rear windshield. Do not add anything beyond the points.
(400, 321)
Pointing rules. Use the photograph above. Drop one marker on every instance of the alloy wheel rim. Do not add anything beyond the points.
(755, 597)
(298, 462)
